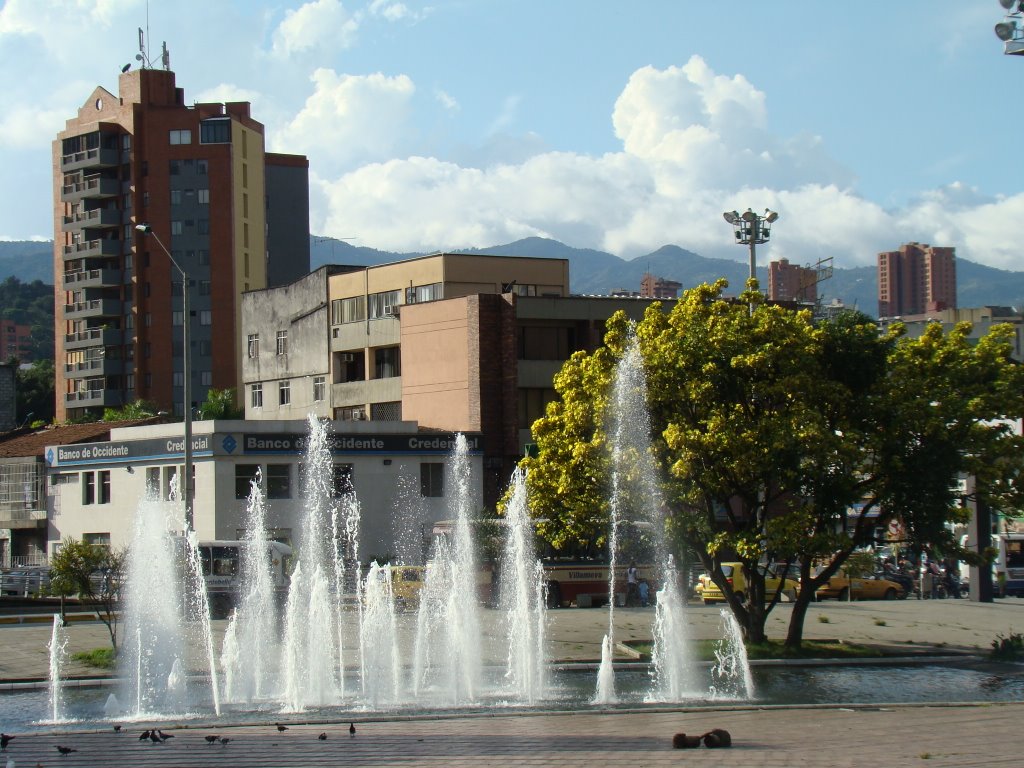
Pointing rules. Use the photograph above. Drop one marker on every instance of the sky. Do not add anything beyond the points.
(620, 126)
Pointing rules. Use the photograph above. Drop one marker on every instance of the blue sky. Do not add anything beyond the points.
(610, 125)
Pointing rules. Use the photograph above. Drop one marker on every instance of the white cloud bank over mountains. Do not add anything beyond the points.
(692, 143)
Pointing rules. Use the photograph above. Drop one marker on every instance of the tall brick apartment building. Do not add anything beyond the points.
(915, 279)
(234, 216)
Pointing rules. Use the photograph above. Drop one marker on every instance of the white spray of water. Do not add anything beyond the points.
(378, 640)
(58, 648)
(730, 675)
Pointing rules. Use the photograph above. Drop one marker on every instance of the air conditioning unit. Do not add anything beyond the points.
(347, 357)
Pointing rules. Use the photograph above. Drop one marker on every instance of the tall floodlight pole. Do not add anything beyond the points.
(1009, 29)
(188, 486)
(751, 229)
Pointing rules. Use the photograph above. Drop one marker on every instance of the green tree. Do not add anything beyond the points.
(221, 404)
(36, 396)
(134, 411)
(769, 428)
(93, 573)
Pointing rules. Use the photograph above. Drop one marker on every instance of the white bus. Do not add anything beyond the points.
(222, 571)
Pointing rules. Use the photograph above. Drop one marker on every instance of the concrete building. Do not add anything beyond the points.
(26, 529)
(981, 319)
(397, 471)
(916, 279)
(653, 287)
(454, 342)
(8, 396)
(234, 216)
(791, 282)
(15, 341)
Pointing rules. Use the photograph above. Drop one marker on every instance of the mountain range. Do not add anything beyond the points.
(594, 272)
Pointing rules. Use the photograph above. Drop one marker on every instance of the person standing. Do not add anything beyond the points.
(632, 579)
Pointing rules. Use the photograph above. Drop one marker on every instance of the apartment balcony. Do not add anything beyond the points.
(100, 218)
(93, 249)
(95, 187)
(97, 157)
(92, 278)
(94, 337)
(88, 369)
(83, 310)
(22, 518)
(94, 398)
(369, 391)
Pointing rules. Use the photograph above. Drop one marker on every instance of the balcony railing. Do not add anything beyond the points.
(91, 248)
(95, 187)
(98, 157)
(93, 398)
(93, 308)
(91, 278)
(94, 337)
(98, 218)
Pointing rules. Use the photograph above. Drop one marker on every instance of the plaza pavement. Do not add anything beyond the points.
(896, 735)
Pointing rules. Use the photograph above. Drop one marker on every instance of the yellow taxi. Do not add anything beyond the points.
(872, 587)
(709, 592)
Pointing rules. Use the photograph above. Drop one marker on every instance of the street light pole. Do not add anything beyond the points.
(188, 486)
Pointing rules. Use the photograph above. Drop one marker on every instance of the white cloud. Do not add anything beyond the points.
(391, 11)
(316, 24)
(350, 119)
(446, 100)
(21, 125)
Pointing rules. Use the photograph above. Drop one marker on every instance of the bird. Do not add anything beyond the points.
(155, 737)
(211, 739)
(65, 750)
(126, 67)
(144, 735)
(223, 739)
(117, 729)
(164, 736)
(280, 727)
(352, 730)
(323, 736)
(5, 740)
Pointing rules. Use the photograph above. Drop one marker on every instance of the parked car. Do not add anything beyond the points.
(709, 592)
(26, 582)
(872, 587)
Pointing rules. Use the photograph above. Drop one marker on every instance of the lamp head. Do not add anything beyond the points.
(1008, 4)
(749, 215)
(144, 228)
(731, 216)
(1005, 30)
(770, 216)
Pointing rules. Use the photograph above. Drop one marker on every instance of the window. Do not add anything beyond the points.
(152, 479)
(215, 131)
(383, 304)
(254, 345)
(175, 197)
(319, 388)
(204, 287)
(88, 488)
(202, 167)
(203, 196)
(348, 310)
(205, 348)
(386, 362)
(178, 378)
(97, 539)
(420, 293)
(282, 342)
(284, 392)
(432, 479)
(177, 227)
(256, 395)
(205, 317)
(279, 481)
(104, 486)
(183, 136)
(341, 479)
(203, 257)
(206, 378)
(204, 226)
(244, 475)
(177, 317)
(175, 167)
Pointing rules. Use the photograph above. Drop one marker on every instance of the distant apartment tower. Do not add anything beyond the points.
(917, 278)
(234, 216)
(15, 341)
(791, 282)
(652, 287)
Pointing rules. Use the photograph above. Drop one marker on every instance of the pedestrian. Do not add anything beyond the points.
(632, 580)
(644, 590)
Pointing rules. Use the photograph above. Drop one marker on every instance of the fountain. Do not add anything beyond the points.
(635, 489)
(730, 675)
(58, 648)
(523, 600)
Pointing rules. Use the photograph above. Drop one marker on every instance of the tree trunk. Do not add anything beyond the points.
(795, 633)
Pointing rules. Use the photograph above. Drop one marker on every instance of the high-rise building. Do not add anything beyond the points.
(653, 287)
(234, 216)
(791, 282)
(15, 341)
(915, 279)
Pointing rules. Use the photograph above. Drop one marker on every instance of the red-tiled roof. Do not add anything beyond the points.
(32, 442)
